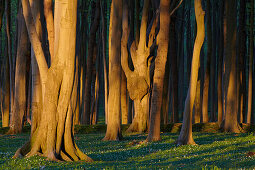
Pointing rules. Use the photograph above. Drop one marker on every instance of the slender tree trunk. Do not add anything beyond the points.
(251, 48)
(220, 63)
(92, 42)
(185, 136)
(241, 59)
(2, 4)
(174, 71)
(113, 131)
(20, 95)
(159, 72)
(205, 117)
(104, 63)
(9, 52)
(230, 124)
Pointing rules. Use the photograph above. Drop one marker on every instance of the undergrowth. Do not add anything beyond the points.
(214, 150)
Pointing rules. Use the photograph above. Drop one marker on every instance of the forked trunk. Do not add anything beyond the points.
(53, 138)
(185, 136)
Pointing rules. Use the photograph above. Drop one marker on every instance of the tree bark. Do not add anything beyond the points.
(20, 96)
(92, 42)
(185, 136)
(54, 136)
(230, 123)
(251, 49)
(174, 71)
(220, 63)
(113, 131)
(159, 72)
(205, 117)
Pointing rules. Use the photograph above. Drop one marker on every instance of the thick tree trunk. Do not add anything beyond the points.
(54, 135)
(138, 81)
(113, 131)
(159, 72)
(36, 80)
(20, 95)
(185, 136)
(251, 49)
(230, 123)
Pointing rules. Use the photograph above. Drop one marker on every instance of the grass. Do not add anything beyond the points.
(214, 150)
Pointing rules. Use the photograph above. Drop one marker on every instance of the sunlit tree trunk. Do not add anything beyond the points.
(53, 137)
(251, 49)
(185, 136)
(159, 72)
(113, 131)
(20, 95)
(138, 81)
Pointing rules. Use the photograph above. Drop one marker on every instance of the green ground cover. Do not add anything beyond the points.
(214, 150)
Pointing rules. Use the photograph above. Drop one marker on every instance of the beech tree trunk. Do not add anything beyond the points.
(185, 136)
(20, 95)
(113, 131)
(205, 117)
(174, 71)
(159, 72)
(220, 63)
(138, 81)
(53, 137)
(88, 81)
(230, 123)
(251, 43)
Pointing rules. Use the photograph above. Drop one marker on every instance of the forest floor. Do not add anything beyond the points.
(214, 150)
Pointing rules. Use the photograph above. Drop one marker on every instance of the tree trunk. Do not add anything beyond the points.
(92, 42)
(230, 123)
(54, 136)
(251, 48)
(2, 4)
(159, 72)
(185, 136)
(104, 63)
(174, 71)
(220, 63)
(113, 131)
(205, 117)
(138, 81)
(20, 95)
(9, 52)
(241, 60)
